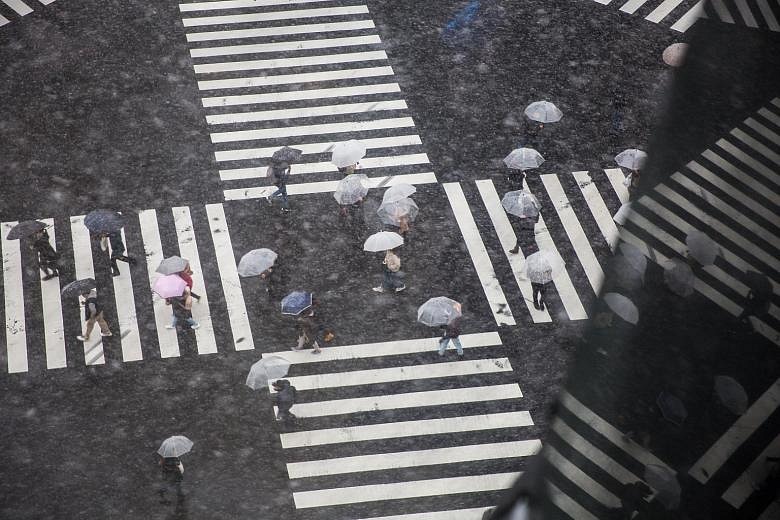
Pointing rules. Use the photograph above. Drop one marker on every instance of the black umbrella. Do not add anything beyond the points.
(672, 408)
(103, 221)
(760, 284)
(78, 287)
(25, 229)
(287, 154)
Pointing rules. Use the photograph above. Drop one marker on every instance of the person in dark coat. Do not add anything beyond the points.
(756, 305)
(531, 133)
(525, 233)
(182, 306)
(171, 477)
(186, 275)
(117, 250)
(451, 333)
(285, 398)
(46, 256)
(308, 331)
(280, 172)
(538, 295)
(93, 313)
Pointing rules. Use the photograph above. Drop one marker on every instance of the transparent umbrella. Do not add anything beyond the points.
(398, 191)
(256, 262)
(172, 265)
(664, 482)
(347, 153)
(175, 446)
(622, 306)
(674, 55)
(391, 212)
(543, 111)
(383, 241)
(521, 203)
(523, 159)
(439, 311)
(272, 367)
(543, 266)
(623, 214)
(351, 189)
(731, 394)
(632, 159)
(672, 408)
(634, 256)
(679, 277)
(701, 247)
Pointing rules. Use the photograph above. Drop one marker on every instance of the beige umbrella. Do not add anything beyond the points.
(674, 55)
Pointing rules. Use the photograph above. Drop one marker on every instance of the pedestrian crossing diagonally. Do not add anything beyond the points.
(306, 74)
(19, 8)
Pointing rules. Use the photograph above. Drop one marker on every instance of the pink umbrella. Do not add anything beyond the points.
(169, 286)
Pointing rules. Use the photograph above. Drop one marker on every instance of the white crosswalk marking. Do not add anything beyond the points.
(300, 95)
(580, 478)
(54, 330)
(632, 5)
(722, 11)
(13, 296)
(747, 15)
(239, 4)
(663, 10)
(769, 16)
(312, 148)
(565, 503)
(257, 48)
(17, 5)
(689, 18)
(598, 208)
(279, 31)
(304, 77)
(4, 20)
(125, 310)
(758, 472)
(304, 61)
(295, 131)
(452, 514)
(745, 158)
(757, 146)
(275, 15)
(294, 113)
(82, 262)
(616, 179)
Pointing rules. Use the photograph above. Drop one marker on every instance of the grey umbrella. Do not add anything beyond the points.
(523, 159)
(731, 394)
(622, 306)
(256, 262)
(398, 191)
(103, 221)
(672, 408)
(25, 229)
(543, 266)
(287, 154)
(172, 265)
(272, 367)
(634, 256)
(625, 275)
(521, 203)
(701, 247)
(664, 482)
(78, 287)
(633, 159)
(383, 241)
(175, 446)
(679, 277)
(543, 112)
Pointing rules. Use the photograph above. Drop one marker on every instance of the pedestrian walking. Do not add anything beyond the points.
(285, 398)
(531, 133)
(632, 184)
(759, 297)
(391, 267)
(308, 331)
(348, 170)
(46, 256)
(451, 333)
(280, 172)
(525, 234)
(171, 477)
(93, 313)
(114, 239)
(539, 290)
(182, 310)
(186, 275)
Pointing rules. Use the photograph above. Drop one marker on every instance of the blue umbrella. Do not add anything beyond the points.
(103, 221)
(296, 302)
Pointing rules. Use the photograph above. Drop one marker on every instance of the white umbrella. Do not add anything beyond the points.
(622, 215)
(543, 266)
(439, 311)
(632, 159)
(701, 247)
(664, 482)
(731, 394)
(392, 212)
(383, 241)
(172, 265)
(256, 262)
(521, 203)
(679, 277)
(634, 256)
(398, 191)
(351, 189)
(523, 159)
(272, 367)
(347, 153)
(625, 275)
(175, 446)
(674, 55)
(543, 111)
(622, 306)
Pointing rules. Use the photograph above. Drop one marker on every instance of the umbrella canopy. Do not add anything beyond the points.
(175, 446)
(625, 275)
(351, 189)
(760, 284)
(383, 241)
(272, 367)
(731, 394)
(392, 212)
(632, 159)
(256, 262)
(439, 311)
(543, 111)
(523, 159)
(622, 306)
(25, 229)
(103, 221)
(543, 266)
(521, 203)
(398, 191)
(621, 217)
(78, 287)
(701, 247)
(169, 286)
(172, 265)
(347, 153)
(296, 302)
(679, 277)
(287, 155)
(665, 484)
(672, 408)
(674, 55)
(634, 256)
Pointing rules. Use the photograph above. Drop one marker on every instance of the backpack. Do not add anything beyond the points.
(393, 262)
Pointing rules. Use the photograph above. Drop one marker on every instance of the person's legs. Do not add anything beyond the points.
(542, 300)
(443, 342)
(283, 191)
(90, 326)
(103, 324)
(192, 323)
(458, 346)
(536, 291)
(173, 322)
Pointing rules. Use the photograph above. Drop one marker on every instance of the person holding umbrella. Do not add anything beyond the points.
(392, 273)
(178, 266)
(176, 293)
(526, 206)
(300, 304)
(45, 254)
(345, 155)
(521, 160)
(258, 262)
(172, 469)
(106, 225)
(280, 173)
(349, 193)
(538, 114)
(285, 398)
(541, 268)
(400, 213)
(93, 313)
(759, 297)
(633, 160)
(444, 313)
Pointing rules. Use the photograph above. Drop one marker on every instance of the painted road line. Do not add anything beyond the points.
(257, 48)
(574, 231)
(663, 10)
(580, 478)
(228, 274)
(299, 95)
(722, 11)
(150, 234)
(762, 130)
(316, 148)
(188, 249)
(479, 255)
(475, 513)
(608, 431)
(408, 400)
(400, 429)
(769, 16)
(307, 188)
(240, 4)
(631, 6)
(563, 284)
(17, 5)
(268, 16)
(13, 293)
(386, 348)
(751, 479)
(125, 309)
(508, 239)
(772, 512)
(306, 130)
(4, 20)
(566, 504)
(744, 10)
(689, 18)
(598, 208)
(413, 459)
(296, 113)
(758, 167)
(301, 77)
(616, 179)
(397, 374)
(82, 262)
(755, 145)
(744, 427)
(304, 61)
(769, 115)
(287, 30)
(741, 176)
(326, 167)
(403, 490)
(51, 300)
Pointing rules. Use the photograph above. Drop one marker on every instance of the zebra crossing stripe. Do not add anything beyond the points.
(287, 30)
(475, 513)
(755, 145)
(51, 301)
(758, 167)
(397, 374)
(82, 262)
(20, 7)
(257, 48)
(565, 503)
(321, 129)
(744, 486)
(4, 20)
(741, 176)
(769, 16)
(581, 479)
(717, 455)
(403, 490)
(663, 10)
(508, 239)
(300, 95)
(296, 113)
(722, 11)
(301, 77)
(747, 16)
(598, 208)
(188, 249)
(275, 15)
(13, 294)
(386, 348)
(689, 18)
(771, 116)
(772, 512)
(125, 309)
(303, 61)
(228, 274)
(150, 234)
(402, 429)
(412, 459)
(240, 4)
(479, 256)
(762, 130)
(616, 179)
(631, 6)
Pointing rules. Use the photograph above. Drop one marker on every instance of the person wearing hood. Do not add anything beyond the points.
(284, 399)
